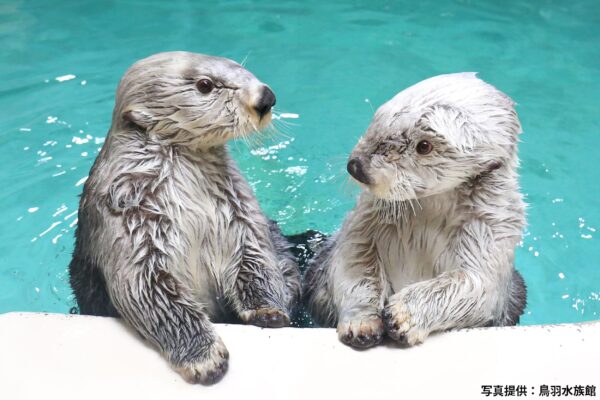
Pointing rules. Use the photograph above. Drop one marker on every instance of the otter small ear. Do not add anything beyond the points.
(492, 165)
(452, 122)
(139, 116)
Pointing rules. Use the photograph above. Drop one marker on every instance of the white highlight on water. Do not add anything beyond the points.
(297, 170)
(54, 224)
(81, 181)
(60, 210)
(70, 215)
(65, 78)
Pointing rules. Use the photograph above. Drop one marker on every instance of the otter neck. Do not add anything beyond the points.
(153, 142)
(398, 211)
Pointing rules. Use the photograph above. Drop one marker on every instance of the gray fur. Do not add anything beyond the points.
(430, 244)
(170, 234)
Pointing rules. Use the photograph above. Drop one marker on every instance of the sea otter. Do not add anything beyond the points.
(430, 244)
(170, 234)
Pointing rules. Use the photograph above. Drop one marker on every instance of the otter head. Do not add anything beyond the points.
(191, 99)
(435, 136)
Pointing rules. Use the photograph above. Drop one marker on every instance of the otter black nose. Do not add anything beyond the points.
(355, 169)
(266, 102)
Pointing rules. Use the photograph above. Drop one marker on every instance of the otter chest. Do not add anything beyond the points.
(410, 250)
(213, 233)
(206, 220)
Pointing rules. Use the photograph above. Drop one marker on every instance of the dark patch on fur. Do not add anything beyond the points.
(517, 300)
(89, 288)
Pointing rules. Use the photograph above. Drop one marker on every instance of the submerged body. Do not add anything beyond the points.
(430, 244)
(170, 235)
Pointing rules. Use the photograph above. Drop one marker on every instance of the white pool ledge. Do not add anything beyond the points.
(47, 356)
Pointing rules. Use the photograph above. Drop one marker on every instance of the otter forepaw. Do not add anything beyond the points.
(401, 324)
(266, 318)
(361, 333)
(210, 369)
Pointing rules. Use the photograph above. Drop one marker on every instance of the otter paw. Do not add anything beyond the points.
(361, 334)
(401, 325)
(266, 317)
(210, 369)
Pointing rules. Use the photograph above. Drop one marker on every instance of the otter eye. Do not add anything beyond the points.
(205, 86)
(424, 147)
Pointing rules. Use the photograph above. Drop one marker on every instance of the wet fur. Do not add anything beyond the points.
(430, 244)
(170, 234)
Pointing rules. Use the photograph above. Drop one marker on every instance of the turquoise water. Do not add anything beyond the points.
(330, 63)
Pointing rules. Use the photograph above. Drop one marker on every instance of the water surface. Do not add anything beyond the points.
(329, 62)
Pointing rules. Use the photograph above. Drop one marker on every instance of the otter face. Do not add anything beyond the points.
(192, 99)
(435, 136)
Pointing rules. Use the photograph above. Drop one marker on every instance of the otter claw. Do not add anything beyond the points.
(401, 326)
(361, 334)
(208, 370)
